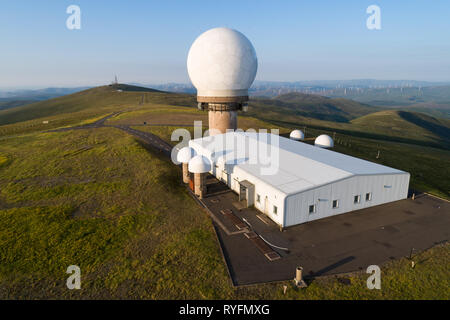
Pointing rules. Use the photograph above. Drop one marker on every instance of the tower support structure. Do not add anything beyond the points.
(222, 112)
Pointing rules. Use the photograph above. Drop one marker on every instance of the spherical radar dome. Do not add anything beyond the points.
(324, 141)
(222, 63)
(297, 135)
(199, 164)
(185, 154)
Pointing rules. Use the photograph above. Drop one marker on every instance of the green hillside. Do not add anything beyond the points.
(7, 104)
(356, 119)
(311, 106)
(411, 125)
(141, 104)
(93, 101)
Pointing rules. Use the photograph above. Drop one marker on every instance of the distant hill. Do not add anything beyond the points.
(14, 98)
(432, 100)
(412, 125)
(7, 104)
(100, 99)
(132, 88)
(37, 94)
(396, 96)
(291, 110)
(312, 106)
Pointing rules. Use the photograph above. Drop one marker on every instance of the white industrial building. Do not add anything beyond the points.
(309, 182)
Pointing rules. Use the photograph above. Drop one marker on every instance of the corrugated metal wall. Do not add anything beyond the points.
(383, 189)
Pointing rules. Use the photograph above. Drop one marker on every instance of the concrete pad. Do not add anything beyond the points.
(339, 244)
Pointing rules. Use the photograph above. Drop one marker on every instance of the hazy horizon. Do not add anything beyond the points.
(188, 83)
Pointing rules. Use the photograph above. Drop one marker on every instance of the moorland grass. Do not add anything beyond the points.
(114, 209)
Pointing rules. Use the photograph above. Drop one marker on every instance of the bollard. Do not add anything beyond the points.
(413, 196)
(299, 274)
(299, 282)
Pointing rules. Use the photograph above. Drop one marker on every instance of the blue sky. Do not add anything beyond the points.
(148, 41)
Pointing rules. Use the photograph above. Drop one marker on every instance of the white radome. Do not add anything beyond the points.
(297, 135)
(199, 164)
(222, 63)
(185, 154)
(324, 141)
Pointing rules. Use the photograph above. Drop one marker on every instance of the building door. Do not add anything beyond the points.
(242, 192)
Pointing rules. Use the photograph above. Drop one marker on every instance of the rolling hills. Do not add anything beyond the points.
(290, 110)
(97, 100)
(405, 124)
(313, 106)
(8, 104)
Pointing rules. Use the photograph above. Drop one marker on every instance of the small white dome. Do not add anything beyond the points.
(199, 164)
(324, 141)
(297, 135)
(185, 154)
(222, 63)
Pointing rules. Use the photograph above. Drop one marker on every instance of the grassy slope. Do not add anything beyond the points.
(421, 129)
(13, 103)
(121, 224)
(289, 108)
(313, 106)
(405, 124)
(97, 100)
(79, 107)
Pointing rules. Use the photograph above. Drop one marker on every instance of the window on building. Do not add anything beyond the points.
(368, 196)
(312, 208)
(275, 210)
(335, 204)
(357, 199)
(258, 198)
